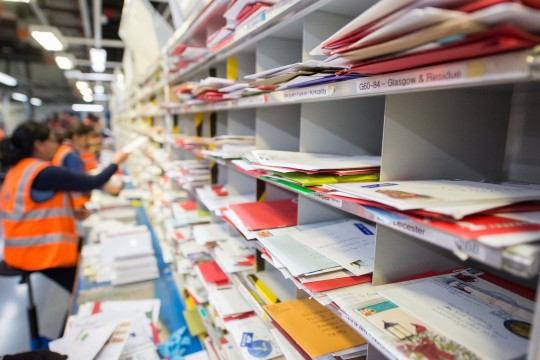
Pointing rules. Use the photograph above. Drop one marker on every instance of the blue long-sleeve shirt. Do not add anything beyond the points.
(53, 178)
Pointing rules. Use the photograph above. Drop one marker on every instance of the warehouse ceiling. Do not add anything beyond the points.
(34, 67)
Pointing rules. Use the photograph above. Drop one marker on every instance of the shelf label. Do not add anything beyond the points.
(249, 26)
(280, 7)
(432, 76)
(463, 248)
(323, 198)
(252, 100)
(308, 93)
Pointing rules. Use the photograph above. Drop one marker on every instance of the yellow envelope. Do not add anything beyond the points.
(317, 330)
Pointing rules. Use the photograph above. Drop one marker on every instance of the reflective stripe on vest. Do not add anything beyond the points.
(36, 214)
(40, 240)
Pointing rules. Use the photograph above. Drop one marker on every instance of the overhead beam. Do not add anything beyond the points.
(83, 6)
(97, 23)
(113, 43)
(39, 13)
(60, 9)
(108, 64)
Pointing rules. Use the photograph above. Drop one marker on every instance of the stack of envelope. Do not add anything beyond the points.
(399, 35)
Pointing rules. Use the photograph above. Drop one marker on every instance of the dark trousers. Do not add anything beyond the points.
(65, 277)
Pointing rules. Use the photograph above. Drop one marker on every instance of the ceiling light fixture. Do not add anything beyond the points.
(87, 107)
(88, 97)
(99, 89)
(7, 80)
(81, 85)
(98, 58)
(19, 97)
(78, 75)
(65, 61)
(85, 91)
(49, 37)
(21, 1)
(36, 101)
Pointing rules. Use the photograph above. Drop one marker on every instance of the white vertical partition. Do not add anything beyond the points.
(446, 134)
(523, 149)
(274, 52)
(344, 127)
(221, 69)
(317, 26)
(221, 123)
(398, 256)
(206, 125)
(187, 124)
(240, 183)
(437, 135)
(245, 64)
(278, 128)
(312, 211)
(241, 122)
(274, 192)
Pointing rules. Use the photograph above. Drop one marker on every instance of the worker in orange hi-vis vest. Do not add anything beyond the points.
(35, 209)
(89, 155)
(68, 155)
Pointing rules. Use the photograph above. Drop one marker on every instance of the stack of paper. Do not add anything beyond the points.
(111, 330)
(206, 90)
(297, 75)
(228, 302)
(455, 199)
(128, 255)
(253, 216)
(86, 338)
(323, 256)
(214, 200)
(309, 169)
(183, 55)
(210, 233)
(233, 255)
(220, 38)
(393, 36)
(466, 314)
(240, 11)
(211, 273)
(230, 146)
(189, 174)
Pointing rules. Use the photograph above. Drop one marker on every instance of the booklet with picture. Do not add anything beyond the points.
(479, 312)
(454, 198)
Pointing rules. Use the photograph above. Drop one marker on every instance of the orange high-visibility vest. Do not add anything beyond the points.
(38, 235)
(78, 198)
(89, 159)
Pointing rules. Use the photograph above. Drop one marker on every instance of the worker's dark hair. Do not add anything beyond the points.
(79, 130)
(21, 143)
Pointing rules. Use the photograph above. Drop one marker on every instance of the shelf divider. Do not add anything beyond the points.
(446, 134)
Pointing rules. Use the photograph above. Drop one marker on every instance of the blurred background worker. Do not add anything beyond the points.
(36, 212)
(68, 155)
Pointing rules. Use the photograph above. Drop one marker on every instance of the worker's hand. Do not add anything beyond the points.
(120, 157)
(36, 355)
(82, 213)
(112, 189)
